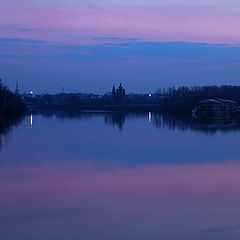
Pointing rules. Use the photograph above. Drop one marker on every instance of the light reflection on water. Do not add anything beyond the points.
(76, 177)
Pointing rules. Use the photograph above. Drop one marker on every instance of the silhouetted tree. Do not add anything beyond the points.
(10, 103)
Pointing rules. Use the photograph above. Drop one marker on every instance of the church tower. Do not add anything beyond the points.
(17, 89)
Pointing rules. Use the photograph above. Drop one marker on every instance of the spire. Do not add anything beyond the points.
(17, 89)
(113, 90)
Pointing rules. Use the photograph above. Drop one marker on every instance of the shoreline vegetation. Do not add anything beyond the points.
(11, 105)
(174, 101)
(177, 101)
(12, 110)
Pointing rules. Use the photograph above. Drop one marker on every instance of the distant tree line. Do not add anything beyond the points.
(173, 100)
(182, 99)
(116, 97)
(12, 110)
(11, 104)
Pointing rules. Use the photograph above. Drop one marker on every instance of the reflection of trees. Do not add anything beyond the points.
(115, 119)
(208, 126)
(119, 118)
(6, 125)
(68, 114)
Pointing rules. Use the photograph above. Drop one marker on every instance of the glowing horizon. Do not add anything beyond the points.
(56, 38)
(79, 22)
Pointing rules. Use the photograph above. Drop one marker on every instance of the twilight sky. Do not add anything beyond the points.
(88, 45)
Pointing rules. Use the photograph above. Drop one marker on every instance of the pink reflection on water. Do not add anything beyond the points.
(149, 199)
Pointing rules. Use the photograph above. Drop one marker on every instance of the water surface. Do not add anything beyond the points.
(100, 176)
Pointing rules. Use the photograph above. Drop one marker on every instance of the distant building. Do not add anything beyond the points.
(29, 99)
(28, 95)
(215, 108)
(118, 94)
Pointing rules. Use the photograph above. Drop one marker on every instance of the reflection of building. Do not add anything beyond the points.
(184, 123)
(31, 121)
(115, 118)
(215, 108)
(149, 116)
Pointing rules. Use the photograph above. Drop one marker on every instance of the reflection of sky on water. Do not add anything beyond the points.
(81, 179)
(138, 143)
(77, 200)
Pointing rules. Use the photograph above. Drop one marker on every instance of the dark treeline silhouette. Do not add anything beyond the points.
(182, 99)
(73, 100)
(12, 110)
(11, 105)
(172, 100)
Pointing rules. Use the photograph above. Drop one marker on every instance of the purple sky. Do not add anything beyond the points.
(88, 45)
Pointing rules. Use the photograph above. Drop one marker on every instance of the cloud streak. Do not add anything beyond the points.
(114, 51)
(78, 22)
(139, 39)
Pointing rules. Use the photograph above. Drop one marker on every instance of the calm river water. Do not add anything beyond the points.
(117, 176)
